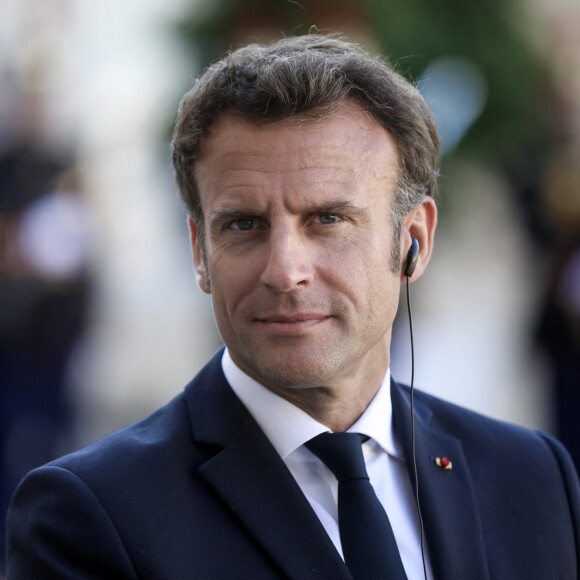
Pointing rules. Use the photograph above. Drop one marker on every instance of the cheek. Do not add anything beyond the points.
(232, 281)
(367, 278)
(362, 263)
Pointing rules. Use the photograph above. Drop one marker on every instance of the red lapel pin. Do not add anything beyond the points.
(443, 462)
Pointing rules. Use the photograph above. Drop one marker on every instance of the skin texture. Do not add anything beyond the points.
(297, 254)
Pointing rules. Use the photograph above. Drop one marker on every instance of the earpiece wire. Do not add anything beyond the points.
(413, 442)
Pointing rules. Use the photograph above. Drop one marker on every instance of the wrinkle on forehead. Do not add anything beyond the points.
(295, 125)
(342, 152)
(306, 157)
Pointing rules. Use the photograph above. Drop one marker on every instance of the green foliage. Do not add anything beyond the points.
(416, 32)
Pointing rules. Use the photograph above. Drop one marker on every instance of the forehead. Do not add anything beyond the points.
(345, 145)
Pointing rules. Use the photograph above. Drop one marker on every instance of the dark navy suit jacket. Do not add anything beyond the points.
(197, 491)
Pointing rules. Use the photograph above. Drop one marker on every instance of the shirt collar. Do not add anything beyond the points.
(288, 427)
(377, 420)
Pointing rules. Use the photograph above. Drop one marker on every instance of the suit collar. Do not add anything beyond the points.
(245, 470)
(450, 514)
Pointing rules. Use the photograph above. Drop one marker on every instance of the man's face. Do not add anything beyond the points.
(298, 242)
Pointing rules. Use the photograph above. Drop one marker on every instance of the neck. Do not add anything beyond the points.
(340, 405)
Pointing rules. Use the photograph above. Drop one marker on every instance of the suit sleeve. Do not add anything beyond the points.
(57, 528)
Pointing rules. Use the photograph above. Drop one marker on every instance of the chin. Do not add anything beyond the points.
(293, 371)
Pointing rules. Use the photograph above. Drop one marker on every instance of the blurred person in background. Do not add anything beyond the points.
(558, 329)
(308, 168)
(44, 284)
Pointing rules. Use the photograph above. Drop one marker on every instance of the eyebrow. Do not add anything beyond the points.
(355, 212)
(337, 206)
(230, 213)
(329, 207)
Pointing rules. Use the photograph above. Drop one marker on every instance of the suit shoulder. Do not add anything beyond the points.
(455, 416)
(482, 435)
(134, 446)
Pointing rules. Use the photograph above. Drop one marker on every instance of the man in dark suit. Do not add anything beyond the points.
(308, 169)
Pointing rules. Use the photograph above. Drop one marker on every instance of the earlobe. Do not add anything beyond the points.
(199, 257)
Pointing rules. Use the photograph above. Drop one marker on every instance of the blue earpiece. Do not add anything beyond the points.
(412, 258)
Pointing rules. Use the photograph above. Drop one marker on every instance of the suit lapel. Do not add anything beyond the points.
(448, 505)
(254, 482)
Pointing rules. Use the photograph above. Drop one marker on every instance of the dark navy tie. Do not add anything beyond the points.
(368, 544)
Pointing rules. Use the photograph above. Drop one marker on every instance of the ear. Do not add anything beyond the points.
(419, 223)
(199, 258)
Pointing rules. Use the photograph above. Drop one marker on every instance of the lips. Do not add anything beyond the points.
(291, 318)
(292, 324)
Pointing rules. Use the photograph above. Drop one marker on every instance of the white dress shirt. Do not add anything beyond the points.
(288, 428)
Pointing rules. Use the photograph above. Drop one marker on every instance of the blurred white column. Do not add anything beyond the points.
(151, 328)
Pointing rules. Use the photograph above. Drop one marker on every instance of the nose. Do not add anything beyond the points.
(288, 264)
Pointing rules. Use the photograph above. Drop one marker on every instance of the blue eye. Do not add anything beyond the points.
(242, 225)
(328, 218)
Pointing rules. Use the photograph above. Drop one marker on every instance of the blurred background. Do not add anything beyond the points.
(101, 321)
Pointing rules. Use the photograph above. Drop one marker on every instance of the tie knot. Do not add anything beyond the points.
(341, 453)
